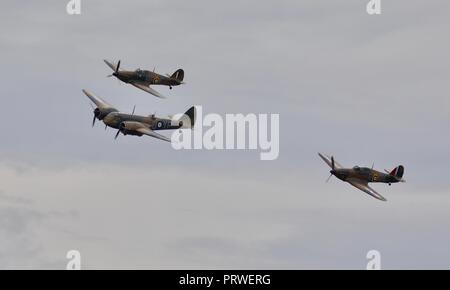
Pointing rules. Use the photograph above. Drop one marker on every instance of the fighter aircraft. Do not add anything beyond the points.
(131, 124)
(360, 177)
(142, 79)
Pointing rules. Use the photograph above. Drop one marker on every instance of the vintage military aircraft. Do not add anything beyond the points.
(131, 124)
(142, 79)
(360, 177)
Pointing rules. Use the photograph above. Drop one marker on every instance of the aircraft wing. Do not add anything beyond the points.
(112, 65)
(149, 132)
(361, 185)
(327, 160)
(97, 100)
(148, 89)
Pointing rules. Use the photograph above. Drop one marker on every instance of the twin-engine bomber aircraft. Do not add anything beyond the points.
(131, 124)
(360, 177)
(142, 79)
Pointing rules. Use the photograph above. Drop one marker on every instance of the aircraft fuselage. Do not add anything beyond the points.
(114, 120)
(364, 174)
(145, 77)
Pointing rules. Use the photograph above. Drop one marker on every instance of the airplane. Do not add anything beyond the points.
(131, 124)
(360, 177)
(142, 79)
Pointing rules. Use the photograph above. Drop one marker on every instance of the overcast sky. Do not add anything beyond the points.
(363, 88)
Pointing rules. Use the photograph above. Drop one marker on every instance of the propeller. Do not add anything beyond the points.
(96, 115)
(134, 108)
(332, 169)
(121, 127)
(117, 67)
(117, 134)
(116, 71)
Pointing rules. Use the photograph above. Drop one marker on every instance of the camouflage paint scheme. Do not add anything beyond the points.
(142, 79)
(131, 124)
(360, 177)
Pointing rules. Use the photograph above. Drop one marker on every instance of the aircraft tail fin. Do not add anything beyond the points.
(188, 118)
(398, 172)
(178, 75)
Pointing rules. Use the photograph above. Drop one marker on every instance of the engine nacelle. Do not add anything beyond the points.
(102, 113)
(131, 127)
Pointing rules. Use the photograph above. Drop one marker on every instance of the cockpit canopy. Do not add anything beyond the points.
(141, 74)
(356, 168)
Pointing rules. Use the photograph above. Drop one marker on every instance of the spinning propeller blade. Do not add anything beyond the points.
(118, 66)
